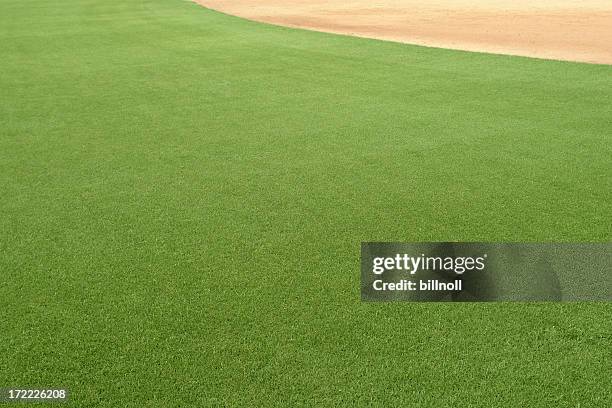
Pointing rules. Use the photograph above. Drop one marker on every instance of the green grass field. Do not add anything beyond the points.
(183, 195)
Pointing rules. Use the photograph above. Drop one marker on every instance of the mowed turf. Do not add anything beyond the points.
(183, 195)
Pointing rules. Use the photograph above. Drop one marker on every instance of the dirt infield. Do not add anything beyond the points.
(575, 30)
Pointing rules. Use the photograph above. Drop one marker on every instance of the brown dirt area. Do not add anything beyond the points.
(572, 30)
